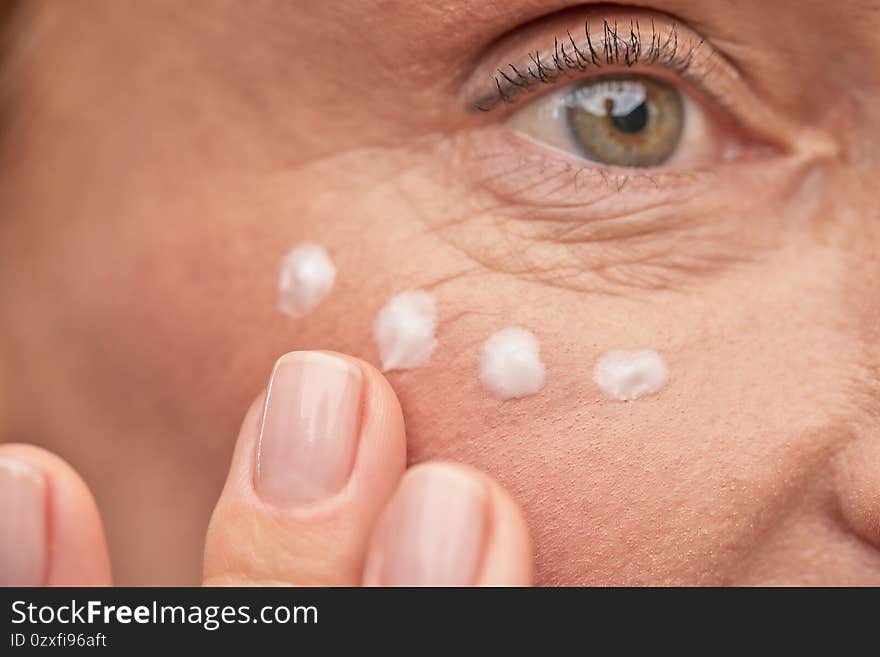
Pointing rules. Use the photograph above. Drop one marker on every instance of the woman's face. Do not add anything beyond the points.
(160, 158)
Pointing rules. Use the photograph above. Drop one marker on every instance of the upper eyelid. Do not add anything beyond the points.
(615, 48)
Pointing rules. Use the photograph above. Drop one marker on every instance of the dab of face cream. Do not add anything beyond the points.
(628, 375)
(511, 364)
(404, 330)
(307, 276)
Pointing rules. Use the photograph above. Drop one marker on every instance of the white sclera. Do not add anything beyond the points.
(307, 276)
(511, 364)
(628, 375)
(404, 330)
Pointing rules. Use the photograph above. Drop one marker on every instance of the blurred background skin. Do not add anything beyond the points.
(158, 159)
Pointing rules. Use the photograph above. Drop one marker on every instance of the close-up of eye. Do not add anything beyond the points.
(629, 120)
(629, 92)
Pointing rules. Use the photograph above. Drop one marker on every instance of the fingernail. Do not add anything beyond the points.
(433, 533)
(310, 428)
(22, 524)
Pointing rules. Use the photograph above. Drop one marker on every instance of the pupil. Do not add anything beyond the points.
(633, 122)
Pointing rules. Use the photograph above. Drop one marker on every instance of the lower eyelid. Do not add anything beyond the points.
(536, 182)
(522, 173)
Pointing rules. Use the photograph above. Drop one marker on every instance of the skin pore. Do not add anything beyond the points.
(160, 158)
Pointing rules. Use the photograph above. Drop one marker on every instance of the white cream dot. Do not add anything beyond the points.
(511, 364)
(628, 375)
(307, 276)
(404, 330)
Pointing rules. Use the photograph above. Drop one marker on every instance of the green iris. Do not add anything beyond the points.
(627, 121)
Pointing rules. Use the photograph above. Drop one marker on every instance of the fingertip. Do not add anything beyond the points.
(449, 525)
(508, 557)
(313, 467)
(53, 534)
(379, 454)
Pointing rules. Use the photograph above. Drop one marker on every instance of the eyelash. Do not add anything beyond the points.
(611, 50)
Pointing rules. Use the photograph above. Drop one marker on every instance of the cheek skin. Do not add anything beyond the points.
(682, 487)
(698, 484)
(688, 486)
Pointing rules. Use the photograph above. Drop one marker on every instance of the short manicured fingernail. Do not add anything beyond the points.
(310, 428)
(432, 533)
(22, 524)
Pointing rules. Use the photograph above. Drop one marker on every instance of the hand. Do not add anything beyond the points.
(318, 494)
